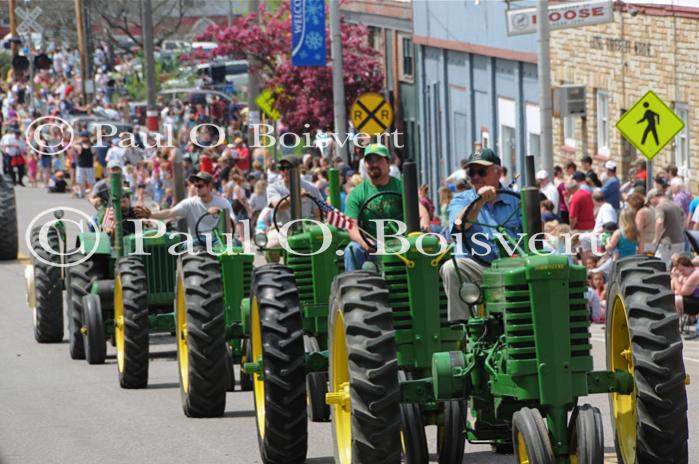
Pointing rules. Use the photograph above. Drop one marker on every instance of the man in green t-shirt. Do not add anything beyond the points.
(377, 160)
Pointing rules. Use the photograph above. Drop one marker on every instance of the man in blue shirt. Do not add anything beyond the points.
(612, 187)
(476, 244)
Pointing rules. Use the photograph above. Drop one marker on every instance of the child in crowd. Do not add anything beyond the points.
(32, 165)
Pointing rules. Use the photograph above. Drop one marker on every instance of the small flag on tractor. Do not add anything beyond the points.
(108, 220)
(337, 218)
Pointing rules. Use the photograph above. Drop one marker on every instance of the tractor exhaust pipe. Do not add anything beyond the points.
(530, 197)
(410, 201)
(295, 194)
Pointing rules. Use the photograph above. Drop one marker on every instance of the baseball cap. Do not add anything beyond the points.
(202, 175)
(541, 175)
(610, 165)
(113, 164)
(579, 176)
(485, 157)
(377, 149)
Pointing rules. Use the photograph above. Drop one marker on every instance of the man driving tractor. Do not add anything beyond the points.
(490, 209)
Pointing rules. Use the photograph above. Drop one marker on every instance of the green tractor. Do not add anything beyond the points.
(122, 292)
(288, 331)
(209, 322)
(519, 364)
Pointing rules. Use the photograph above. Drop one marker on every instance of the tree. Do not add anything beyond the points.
(305, 97)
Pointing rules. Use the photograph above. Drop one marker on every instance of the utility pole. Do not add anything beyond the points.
(253, 80)
(339, 111)
(80, 23)
(13, 27)
(149, 64)
(544, 71)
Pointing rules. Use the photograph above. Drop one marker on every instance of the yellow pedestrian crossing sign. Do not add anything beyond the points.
(371, 114)
(265, 101)
(649, 125)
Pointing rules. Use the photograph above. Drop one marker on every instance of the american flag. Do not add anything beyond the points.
(337, 218)
(108, 220)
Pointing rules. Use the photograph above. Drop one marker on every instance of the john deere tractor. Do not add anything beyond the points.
(519, 365)
(210, 335)
(117, 291)
(288, 331)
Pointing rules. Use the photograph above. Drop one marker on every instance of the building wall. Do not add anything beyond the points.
(472, 92)
(655, 49)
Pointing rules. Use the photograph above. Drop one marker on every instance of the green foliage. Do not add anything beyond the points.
(136, 82)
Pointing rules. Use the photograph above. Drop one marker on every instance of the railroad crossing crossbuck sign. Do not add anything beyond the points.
(29, 18)
(649, 125)
(371, 114)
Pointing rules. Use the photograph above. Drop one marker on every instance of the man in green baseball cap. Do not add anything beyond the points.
(377, 159)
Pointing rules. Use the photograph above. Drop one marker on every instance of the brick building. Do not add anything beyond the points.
(647, 47)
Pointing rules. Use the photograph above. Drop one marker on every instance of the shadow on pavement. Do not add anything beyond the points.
(240, 414)
(156, 386)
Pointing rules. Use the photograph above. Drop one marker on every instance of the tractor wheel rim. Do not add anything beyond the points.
(258, 382)
(340, 386)
(119, 323)
(522, 456)
(31, 289)
(623, 406)
(182, 347)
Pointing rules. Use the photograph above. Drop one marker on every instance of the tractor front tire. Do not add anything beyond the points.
(643, 339)
(363, 390)
(586, 435)
(9, 241)
(131, 322)
(277, 340)
(316, 386)
(413, 439)
(531, 438)
(79, 280)
(451, 436)
(201, 336)
(48, 287)
(93, 330)
(246, 379)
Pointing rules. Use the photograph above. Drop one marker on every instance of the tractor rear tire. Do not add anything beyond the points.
(531, 438)
(201, 336)
(451, 437)
(363, 371)
(643, 339)
(9, 241)
(245, 379)
(586, 435)
(316, 386)
(79, 280)
(277, 338)
(131, 321)
(48, 288)
(93, 330)
(414, 440)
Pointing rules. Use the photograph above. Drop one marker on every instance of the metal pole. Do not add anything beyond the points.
(149, 63)
(339, 111)
(80, 24)
(544, 71)
(253, 78)
(13, 27)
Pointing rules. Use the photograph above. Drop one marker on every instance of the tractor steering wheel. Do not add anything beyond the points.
(464, 218)
(286, 198)
(362, 223)
(196, 226)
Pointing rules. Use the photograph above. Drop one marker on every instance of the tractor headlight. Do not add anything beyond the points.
(58, 214)
(470, 293)
(260, 240)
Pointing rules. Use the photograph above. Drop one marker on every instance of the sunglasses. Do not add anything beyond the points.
(284, 168)
(480, 172)
(200, 184)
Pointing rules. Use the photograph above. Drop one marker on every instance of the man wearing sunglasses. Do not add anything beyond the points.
(194, 207)
(476, 245)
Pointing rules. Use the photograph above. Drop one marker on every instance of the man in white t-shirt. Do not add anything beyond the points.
(194, 207)
(604, 212)
(548, 189)
(116, 153)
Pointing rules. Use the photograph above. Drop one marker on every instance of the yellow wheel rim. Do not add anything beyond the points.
(182, 348)
(624, 406)
(339, 398)
(522, 457)
(258, 382)
(119, 323)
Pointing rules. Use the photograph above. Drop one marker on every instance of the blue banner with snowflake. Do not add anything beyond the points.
(308, 33)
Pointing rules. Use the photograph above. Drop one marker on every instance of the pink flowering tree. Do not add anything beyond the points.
(305, 97)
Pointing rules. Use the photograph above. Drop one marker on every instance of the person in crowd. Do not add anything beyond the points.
(14, 149)
(547, 211)
(645, 222)
(669, 226)
(85, 167)
(624, 240)
(580, 206)
(604, 212)
(590, 175)
(685, 285)
(548, 189)
(611, 189)
(681, 197)
(57, 183)
(445, 197)
(486, 207)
